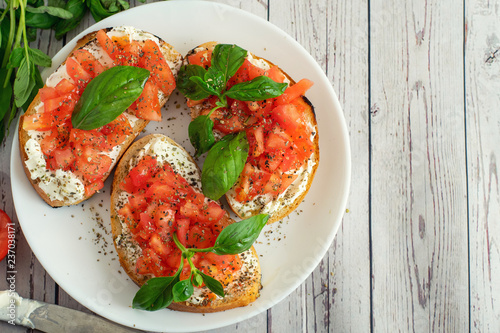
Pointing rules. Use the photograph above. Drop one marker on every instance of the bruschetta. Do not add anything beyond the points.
(156, 193)
(67, 165)
(282, 134)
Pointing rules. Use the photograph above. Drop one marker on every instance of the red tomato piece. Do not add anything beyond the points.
(147, 106)
(288, 117)
(190, 210)
(275, 74)
(127, 212)
(294, 91)
(127, 185)
(93, 187)
(152, 60)
(51, 141)
(144, 170)
(107, 44)
(65, 87)
(90, 163)
(200, 237)
(183, 230)
(212, 213)
(162, 247)
(89, 63)
(146, 226)
(61, 158)
(92, 138)
(130, 54)
(255, 136)
(5, 225)
(47, 93)
(201, 58)
(270, 161)
(160, 193)
(79, 75)
(138, 202)
(117, 131)
(165, 221)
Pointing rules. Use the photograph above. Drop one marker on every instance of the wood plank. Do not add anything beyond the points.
(306, 308)
(482, 65)
(349, 257)
(419, 203)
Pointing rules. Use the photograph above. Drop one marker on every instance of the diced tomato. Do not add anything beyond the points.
(294, 91)
(200, 237)
(47, 93)
(270, 161)
(288, 117)
(121, 41)
(226, 122)
(65, 87)
(260, 109)
(77, 73)
(130, 54)
(162, 247)
(146, 226)
(275, 74)
(174, 259)
(61, 158)
(201, 58)
(152, 60)
(153, 262)
(127, 185)
(273, 184)
(93, 187)
(183, 230)
(64, 105)
(147, 106)
(93, 138)
(165, 221)
(117, 131)
(107, 44)
(286, 180)
(90, 163)
(254, 71)
(211, 213)
(169, 177)
(138, 202)
(127, 212)
(190, 210)
(51, 141)
(159, 193)
(144, 170)
(89, 63)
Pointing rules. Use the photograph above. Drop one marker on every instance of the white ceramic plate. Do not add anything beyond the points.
(74, 244)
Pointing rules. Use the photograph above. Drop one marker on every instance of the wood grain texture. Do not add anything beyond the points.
(419, 203)
(349, 257)
(482, 68)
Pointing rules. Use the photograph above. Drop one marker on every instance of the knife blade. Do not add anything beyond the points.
(52, 318)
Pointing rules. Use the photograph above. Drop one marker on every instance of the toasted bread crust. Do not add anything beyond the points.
(310, 118)
(172, 56)
(241, 297)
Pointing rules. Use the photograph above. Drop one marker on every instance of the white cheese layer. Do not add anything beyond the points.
(73, 191)
(59, 185)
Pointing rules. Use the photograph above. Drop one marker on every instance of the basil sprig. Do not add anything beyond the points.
(197, 83)
(108, 95)
(159, 292)
(223, 165)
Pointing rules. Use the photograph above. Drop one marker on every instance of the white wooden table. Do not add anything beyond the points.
(418, 249)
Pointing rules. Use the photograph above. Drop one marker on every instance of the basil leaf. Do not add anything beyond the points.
(182, 290)
(5, 95)
(201, 135)
(215, 80)
(54, 11)
(108, 95)
(227, 59)
(188, 87)
(212, 284)
(197, 278)
(239, 237)
(39, 58)
(102, 9)
(204, 86)
(258, 89)
(16, 56)
(40, 20)
(37, 78)
(155, 294)
(23, 84)
(223, 165)
(78, 9)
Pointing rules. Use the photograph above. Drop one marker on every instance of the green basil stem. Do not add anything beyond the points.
(21, 32)
(186, 251)
(12, 30)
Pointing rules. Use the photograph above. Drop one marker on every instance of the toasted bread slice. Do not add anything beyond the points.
(63, 188)
(245, 286)
(278, 207)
